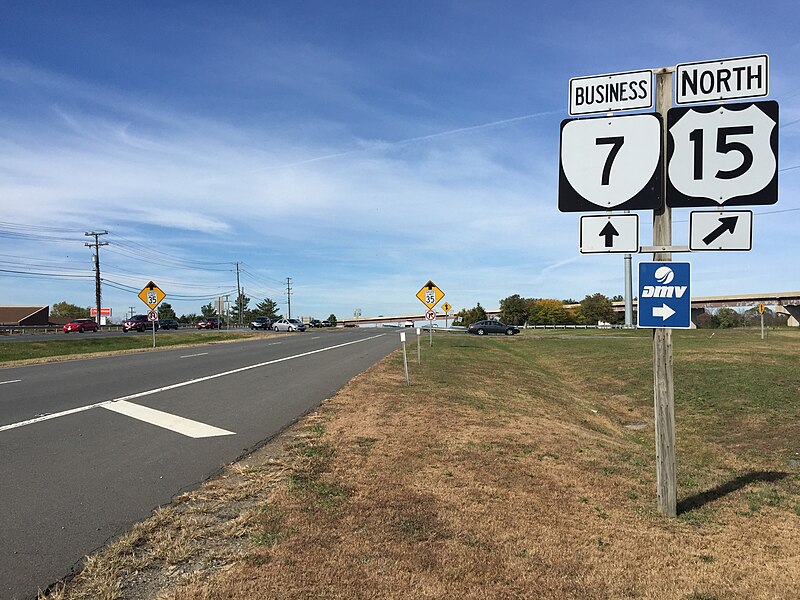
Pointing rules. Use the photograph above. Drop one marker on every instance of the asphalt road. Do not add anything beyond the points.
(89, 447)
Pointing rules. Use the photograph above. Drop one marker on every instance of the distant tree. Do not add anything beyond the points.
(190, 319)
(332, 319)
(594, 308)
(239, 313)
(472, 315)
(547, 312)
(267, 308)
(513, 310)
(207, 310)
(67, 310)
(617, 298)
(728, 318)
(752, 317)
(706, 321)
(570, 301)
(165, 311)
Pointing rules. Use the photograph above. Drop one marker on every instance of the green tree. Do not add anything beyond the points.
(727, 318)
(190, 319)
(513, 310)
(165, 311)
(207, 310)
(706, 321)
(267, 308)
(594, 308)
(547, 312)
(332, 320)
(240, 313)
(70, 311)
(472, 315)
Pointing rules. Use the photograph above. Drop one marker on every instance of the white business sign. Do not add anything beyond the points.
(608, 93)
(609, 233)
(720, 230)
(723, 154)
(725, 79)
(610, 163)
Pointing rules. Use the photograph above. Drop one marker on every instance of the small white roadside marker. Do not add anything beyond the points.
(11, 381)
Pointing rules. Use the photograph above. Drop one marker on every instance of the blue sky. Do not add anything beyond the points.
(360, 148)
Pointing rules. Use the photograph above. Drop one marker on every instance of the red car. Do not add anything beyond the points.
(80, 325)
(210, 323)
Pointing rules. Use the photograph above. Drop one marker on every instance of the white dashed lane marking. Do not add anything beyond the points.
(193, 355)
(10, 381)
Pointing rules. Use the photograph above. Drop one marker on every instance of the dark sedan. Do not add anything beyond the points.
(484, 327)
(167, 324)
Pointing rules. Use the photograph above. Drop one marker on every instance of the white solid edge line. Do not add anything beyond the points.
(159, 418)
(178, 385)
(11, 381)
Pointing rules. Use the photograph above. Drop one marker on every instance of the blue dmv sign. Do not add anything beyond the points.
(664, 295)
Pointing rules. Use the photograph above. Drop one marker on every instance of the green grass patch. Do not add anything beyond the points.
(737, 400)
(15, 351)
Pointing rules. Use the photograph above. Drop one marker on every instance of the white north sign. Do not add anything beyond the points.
(608, 93)
(725, 79)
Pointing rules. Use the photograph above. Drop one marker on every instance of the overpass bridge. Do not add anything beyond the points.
(790, 301)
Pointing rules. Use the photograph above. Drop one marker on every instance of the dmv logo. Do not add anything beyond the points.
(664, 297)
(664, 275)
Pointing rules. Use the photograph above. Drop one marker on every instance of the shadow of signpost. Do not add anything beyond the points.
(715, 493)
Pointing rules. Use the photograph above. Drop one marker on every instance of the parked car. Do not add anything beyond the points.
(484, 327)
(167, 324)
(264, 323)
(288, 325)
(137, 322)
(326, 324)
(211, 323)
(80, 325)
(315, 323)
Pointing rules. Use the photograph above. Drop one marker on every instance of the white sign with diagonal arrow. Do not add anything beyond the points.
(609, 233)
(720, 230)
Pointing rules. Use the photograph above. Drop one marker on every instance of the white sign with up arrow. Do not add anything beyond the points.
(720, 230)
(609, 234)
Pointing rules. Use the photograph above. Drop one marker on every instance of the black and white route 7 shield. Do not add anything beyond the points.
(723, 154)
(610, 163)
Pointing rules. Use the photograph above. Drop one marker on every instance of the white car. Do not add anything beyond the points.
(408, 324)
(288, 325)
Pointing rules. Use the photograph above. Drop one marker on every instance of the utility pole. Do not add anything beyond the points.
(289, 296)
(96, 245)
(239, 295)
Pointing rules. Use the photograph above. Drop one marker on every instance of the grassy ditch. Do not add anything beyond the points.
(511, 468)
(11, 352)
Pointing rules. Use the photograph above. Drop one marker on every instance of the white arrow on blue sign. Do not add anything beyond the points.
(665, 298)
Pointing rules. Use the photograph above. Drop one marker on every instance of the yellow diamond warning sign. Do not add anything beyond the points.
(430, 295)
(446, 307)
(152, 295)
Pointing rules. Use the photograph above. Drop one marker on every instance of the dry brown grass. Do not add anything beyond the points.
(531, 489)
